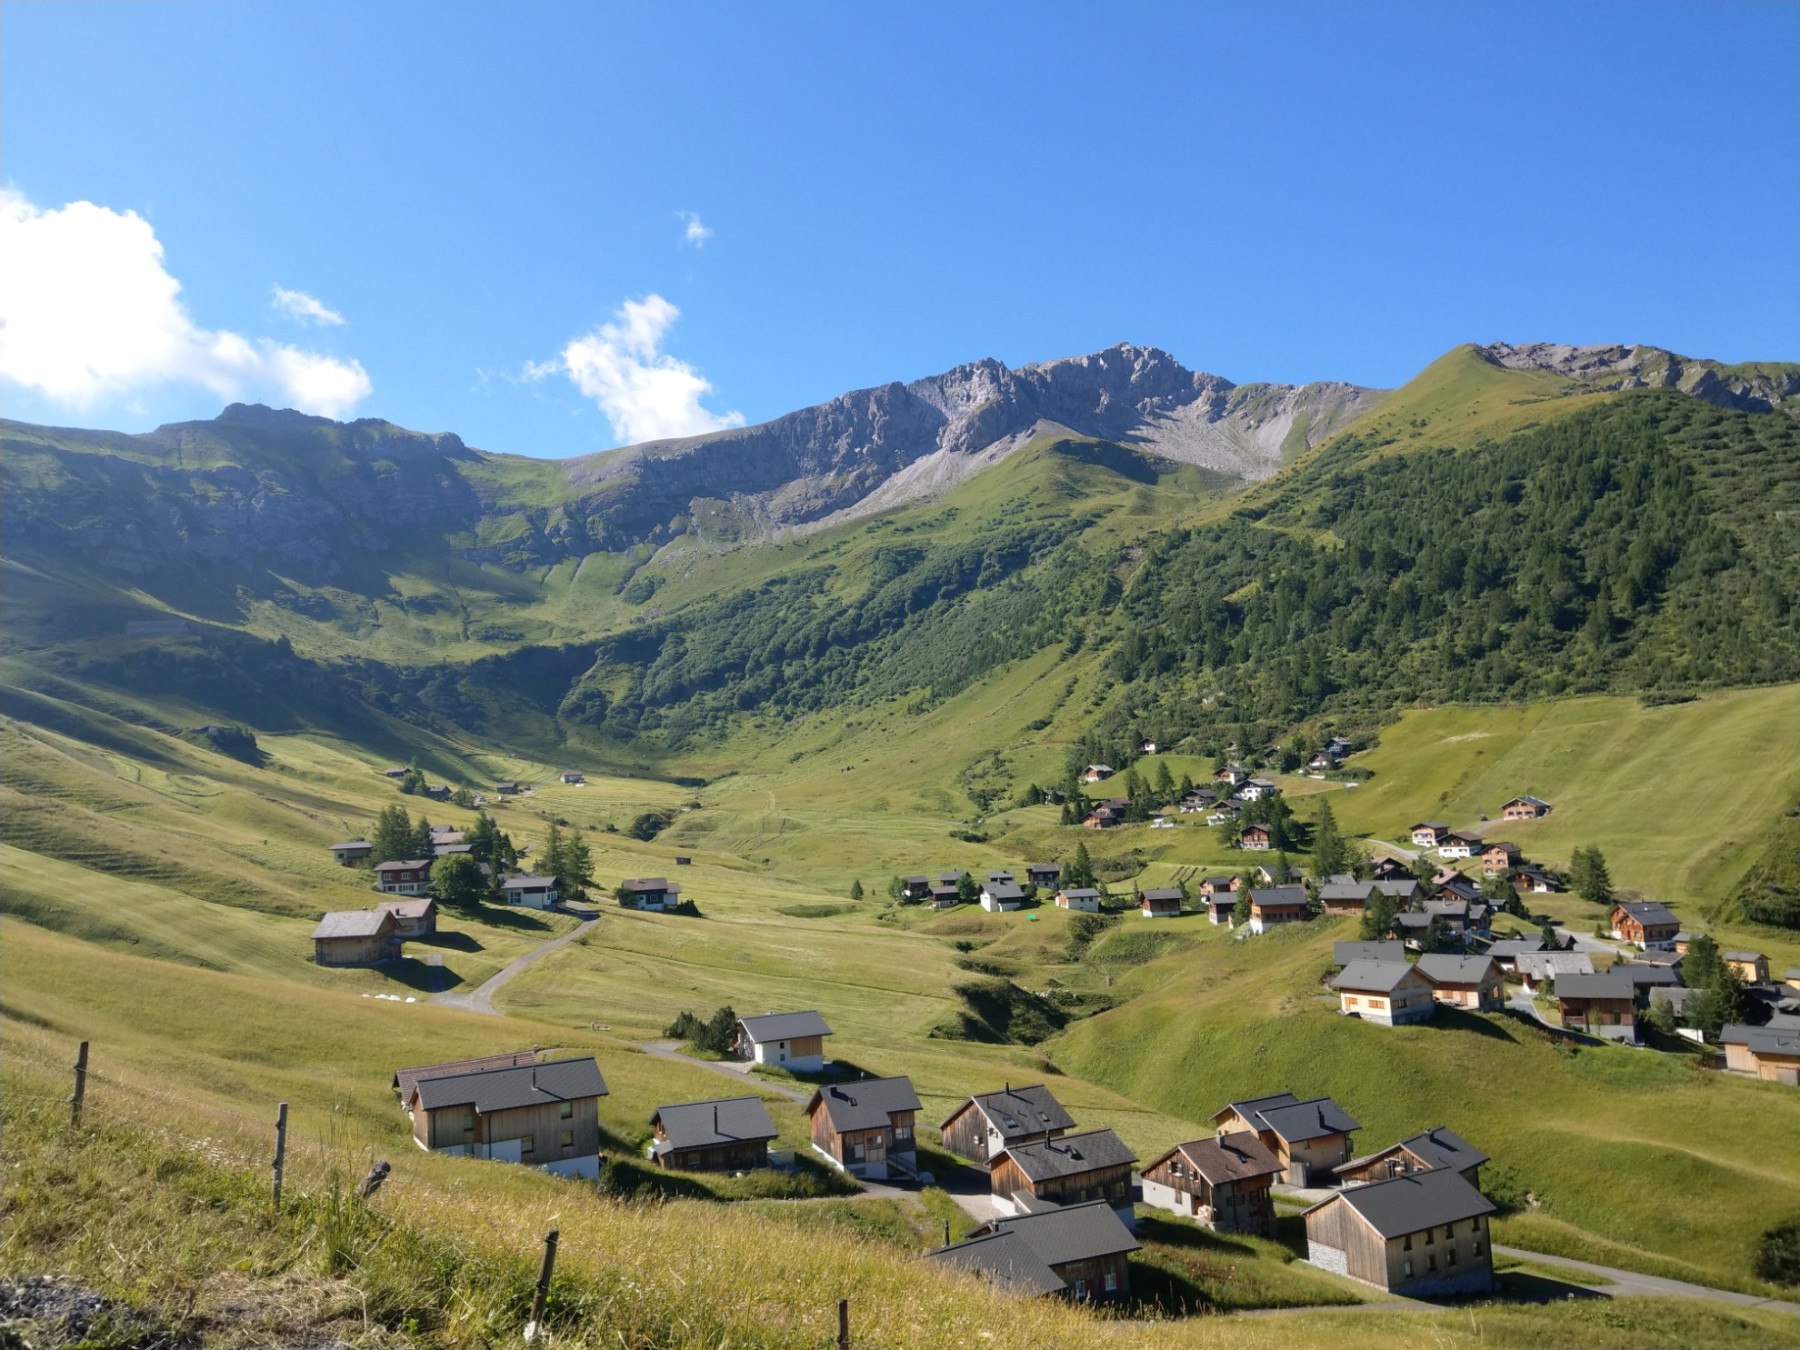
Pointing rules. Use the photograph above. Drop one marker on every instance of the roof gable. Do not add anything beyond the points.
(490, 1090)
(783, 1026)
(868, 1105)
(725, 1120)
(1069, 1156)
(1019, 1112)
(1412, 1203)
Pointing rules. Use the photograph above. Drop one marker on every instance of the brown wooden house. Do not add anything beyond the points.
(1273, 905)
(866, 1128)
(1066, 1170)
(352, 851)
(1345, 897)
(1751, 967)
(405, 1080)
(356, 937)
(542, 1115)
(1160, 904)
(1424, 1152)
(1601, 1005)
(1222, 1183)
(1422, 1234)
(1771, 1053)
(1255, 838)
(726, 1134)
(1309, 1138)
(1472, 982)
(1074, 1251)
(1524, 808)
(989, 1123)
(1499, 858)
(793, 1041)
(411, 876)
(1646, 923)
(416, 917)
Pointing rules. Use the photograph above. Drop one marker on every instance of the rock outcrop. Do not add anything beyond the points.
(1758, 386)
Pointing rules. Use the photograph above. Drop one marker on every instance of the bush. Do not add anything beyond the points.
(648, 824)
(1778, 1254)
(714, 1035)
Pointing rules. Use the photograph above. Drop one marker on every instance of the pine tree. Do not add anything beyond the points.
(1186, 786)
(1081, 870)
(1701, 965)
(1378, 917)
(392, 836)
(896, 888)
(1593, 883)
(968, 890)
(422, 847)
(856, 890)
(552, 863)
(1068, 814)
(577, 872)
(1165, 784)
(1328, 844)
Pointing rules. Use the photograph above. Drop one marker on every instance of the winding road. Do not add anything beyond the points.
(481, 998)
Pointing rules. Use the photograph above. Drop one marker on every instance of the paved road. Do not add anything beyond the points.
(733, 1068)
(1631, 1282)
(481, 999)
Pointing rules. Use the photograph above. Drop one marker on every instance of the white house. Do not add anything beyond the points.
(998, 897)
(1456, 845)
(533, 892)
(1084, 898)
(1256, 789)
(793, 1040)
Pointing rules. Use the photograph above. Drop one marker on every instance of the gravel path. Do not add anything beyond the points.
(481, 999)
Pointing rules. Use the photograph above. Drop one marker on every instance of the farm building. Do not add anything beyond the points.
(1646, 924)
(866, 1128)
(1534, 880)
(356, 937)
(1771, 1053)
(571, 777)
(991, 1122)
(1066, 1170)
(1419, 1234)
(1221, 1183)
(541, 1115)
(1083, 898)
(1601, 1005)
(1524, 808)
(726, 1134)
(1219, 906)
(532, 892)
(916, 888)
(793, 1040)
(1455, 844)
(413, 918)
(1464, 981)
(1308, 1138)
(351, 852)
(409, 877)
(654, 893)
(1425, 1152)
(945, 897)
(1390, 993)
(1097, 773)
(1075, 1251)
(1159, 904)
(1274, 905)
(1507, 951)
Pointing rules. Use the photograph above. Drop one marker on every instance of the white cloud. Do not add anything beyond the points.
(646, 394)
(304, 308)
(89, 312)
(695, 233)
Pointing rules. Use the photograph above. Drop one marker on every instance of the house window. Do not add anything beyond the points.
(568, 1110)
(1081, 1289)
(1409, 1269)
(468, 1121)
(1112, 1282)
(528, 1143)
(1478, 1246)
(1475, 1224)
(1407, 1246)
(1430, 1262)
(1451, 1258)
(903, 1132)
(567, 1139)
(856, 1152)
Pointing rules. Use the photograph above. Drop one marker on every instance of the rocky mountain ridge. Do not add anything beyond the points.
(1758, 386)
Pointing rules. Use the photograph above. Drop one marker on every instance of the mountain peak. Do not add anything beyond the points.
(1758, 387)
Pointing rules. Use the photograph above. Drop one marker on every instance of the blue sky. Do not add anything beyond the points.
(478, 191)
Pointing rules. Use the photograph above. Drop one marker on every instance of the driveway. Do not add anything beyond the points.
(481, 999)
(733, 1068)
(1631, 1282)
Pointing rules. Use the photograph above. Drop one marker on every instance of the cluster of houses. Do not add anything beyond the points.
(1001, 892)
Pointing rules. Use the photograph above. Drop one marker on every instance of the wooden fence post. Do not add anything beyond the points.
(75, 1102)
(280, 1150)
(843, 1340)
(535, 1325)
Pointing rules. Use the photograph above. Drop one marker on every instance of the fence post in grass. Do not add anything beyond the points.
(75, 1102)
(280, 1150)
(843, 1340)
(538, 1297)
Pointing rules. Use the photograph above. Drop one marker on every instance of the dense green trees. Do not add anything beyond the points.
(457, 883)
(1589, 877)
(392, 836)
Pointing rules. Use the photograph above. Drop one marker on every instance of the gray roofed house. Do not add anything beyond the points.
(1771, 1053)
(1645, 923)
(866, 1105)
(725, 1134)
(1081, 1248)
(1612, 984)
(988, 1122)
(1391, 993)
(350, 923)
(1346, 897)
(491, 1090)
(1536, 969)
(1438, 1147)
(794, 1040)
(999, 896)
(1309, 1137)
(1315, 1118)
(1380, 974)
(1464, 981)
(1398, 888)
(1070, 1155)
(1378, 1234)
(1413, 1203)
(1343, 953)
(406, 1079)
(1508, 950)
(1005, 1258)
(1647, 975)
(866, 1128)
(356, 937)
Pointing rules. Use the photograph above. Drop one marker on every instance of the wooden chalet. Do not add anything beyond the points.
(1159, 904)
(1097, 773)
(991, 1122)
(1043, 875)
(1064, 1170)
(1308, 1137)
(793, 1041)
(1646, 923)
(726, 1134)
(1770, 1053)
(411, 876)
(1073, 1251)
(1506, 952)
(571, 777)
(1601, 1005)
(1083, 898)
(1426, 1151)
(541, 1115)
(1221, 1183)
(1274, 905)
(1532, 880)
(1213, 885)
(352, 851)
(1751, 967)
(1338, 898)
(1471, 982)
(866, 1128)
(506, 787)
(406, 1079)
(1390, 869)
(529, 891)
(415, 917)
(945, 896)
(1388, 993)
(356, 937)
(1002, 897)
(652, 893)
(916, 888)
(1524, 808)
(1429, 833)
(1220, 906)
(1499, 858)
(1421, 1234)
(1255, 838)
(1456, 844)
(1538, 971)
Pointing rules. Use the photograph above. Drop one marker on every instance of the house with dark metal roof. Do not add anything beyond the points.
(406, 1079)
(653, 893)
(1345, 897)
(1308, 1137)
(999, 897)
(866, 1128)
(1083, 898)
(542, 1115)
(1771, 1053)
(1390, 993)
(410, 876)
(1601, 1005)
(1064, 1169)
(1421, 1234)
(1043, 874)
(1751, 967)
(1343, 953)
(1077, 1251)
(945, 896)
(724, 1134)
(1220, 1183)
(793, 1041)
(1538, 971)
(1413, 929)
(1472, 982)
(356, 937)
(1425, 1151)
(414, 917)
(1644, 923)
(1403, 889)
(1220, 906)
(1273, 905)
(351, 851)
(530, 891)
(1164, 903)
(915, 888)
(1524, 808)
(989, 1122)
(1506, 952)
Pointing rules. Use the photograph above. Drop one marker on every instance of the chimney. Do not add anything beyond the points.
(715, 1117)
